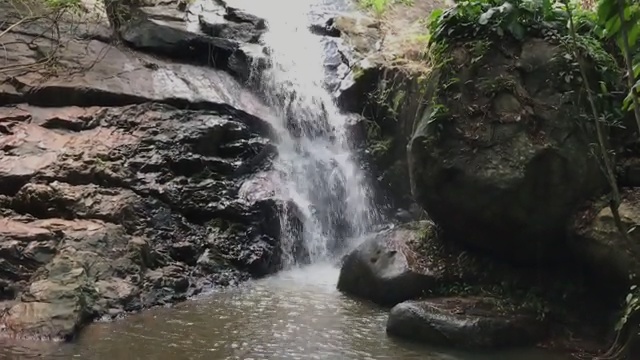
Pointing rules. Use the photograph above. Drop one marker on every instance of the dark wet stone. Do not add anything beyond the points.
(471, 323)
(386, 268)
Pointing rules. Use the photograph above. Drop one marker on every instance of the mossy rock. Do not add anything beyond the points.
(502, 157)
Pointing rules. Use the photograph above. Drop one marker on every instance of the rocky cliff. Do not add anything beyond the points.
(122, 149)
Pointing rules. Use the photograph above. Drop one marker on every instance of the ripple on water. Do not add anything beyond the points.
(297, 314)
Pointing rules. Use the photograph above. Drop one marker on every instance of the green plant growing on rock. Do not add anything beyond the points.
(620, 20)
(380, 6)
(491, 87)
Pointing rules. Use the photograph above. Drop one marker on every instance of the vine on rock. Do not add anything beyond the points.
(57, 23)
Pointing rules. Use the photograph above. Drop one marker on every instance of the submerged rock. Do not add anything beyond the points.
(472, 323)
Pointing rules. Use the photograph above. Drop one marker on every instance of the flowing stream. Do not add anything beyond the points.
(297, 314)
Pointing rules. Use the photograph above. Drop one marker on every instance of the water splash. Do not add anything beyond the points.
(315, 168)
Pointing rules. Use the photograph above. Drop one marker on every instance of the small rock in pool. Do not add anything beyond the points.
(471, 323)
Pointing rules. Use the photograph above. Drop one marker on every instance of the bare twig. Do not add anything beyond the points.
(18, 23)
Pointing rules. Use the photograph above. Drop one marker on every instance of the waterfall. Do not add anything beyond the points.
(314, 168)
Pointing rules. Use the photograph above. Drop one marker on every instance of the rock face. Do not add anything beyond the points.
(472, 323)
(120, 171)
(597, 240)
(387, 269)
(502, 159)
(121, 213)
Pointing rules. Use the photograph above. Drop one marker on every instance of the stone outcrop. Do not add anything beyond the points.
(126, 207)
(387, 267)
(120, 170)
(501, 162)
(468, 323)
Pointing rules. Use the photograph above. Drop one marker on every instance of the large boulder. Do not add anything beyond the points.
(387, 268)
(471, 323)
(502, 157)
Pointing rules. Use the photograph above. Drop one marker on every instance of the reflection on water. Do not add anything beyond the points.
(295, 315)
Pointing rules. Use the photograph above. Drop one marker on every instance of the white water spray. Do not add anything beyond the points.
(314, 168)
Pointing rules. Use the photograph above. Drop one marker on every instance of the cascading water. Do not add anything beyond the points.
(314, 168)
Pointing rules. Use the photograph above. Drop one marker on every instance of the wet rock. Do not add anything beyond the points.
(176, 42)
(62, 294)
(113, 216)
(209, 33)
(362, 79)
(595, 238)
(23, 250)
(351, 42)
(360, 39)
(472, 323)
(247, 60)
(95, 72)
(323, 25)
(387, 267)
(233, 24)
(337, 62)
(212, 268)
(120, 171)
(512, 176)
(157, 181)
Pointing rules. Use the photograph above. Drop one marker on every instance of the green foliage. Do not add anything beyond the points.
(62, 4)
(480, 23)
(378, 146)
(610, 24)
(620, 20)
(517, 18)
(616, 19)
(632, 306)
(380, 6)
(491, 87)
(588, 63)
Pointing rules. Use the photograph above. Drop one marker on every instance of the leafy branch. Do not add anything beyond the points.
(620, 20)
